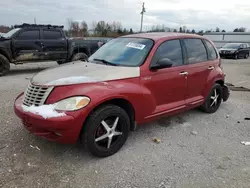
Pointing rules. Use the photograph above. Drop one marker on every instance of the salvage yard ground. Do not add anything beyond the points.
(193, 150)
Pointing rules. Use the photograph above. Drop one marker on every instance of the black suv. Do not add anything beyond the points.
(235, 50)
(31, 43)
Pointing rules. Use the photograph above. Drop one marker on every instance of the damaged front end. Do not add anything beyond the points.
(225, 93)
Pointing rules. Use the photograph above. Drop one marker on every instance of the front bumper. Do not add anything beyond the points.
(227, 55)
(65, 129)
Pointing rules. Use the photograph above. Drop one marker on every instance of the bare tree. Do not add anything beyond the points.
(84, 29)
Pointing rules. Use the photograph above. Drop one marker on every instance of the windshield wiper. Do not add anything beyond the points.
(105, 62)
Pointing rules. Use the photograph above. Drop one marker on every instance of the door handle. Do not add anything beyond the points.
(210, 67)
(183, 73)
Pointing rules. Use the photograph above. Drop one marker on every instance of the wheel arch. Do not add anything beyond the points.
(122, 103)
(5, 54)
(82, 49)
(220, 81)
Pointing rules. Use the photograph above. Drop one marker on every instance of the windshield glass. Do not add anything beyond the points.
(124, 51)
(234, 46)
(10, 33)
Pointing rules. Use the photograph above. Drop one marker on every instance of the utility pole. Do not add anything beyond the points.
(142, 12)
(35, 20)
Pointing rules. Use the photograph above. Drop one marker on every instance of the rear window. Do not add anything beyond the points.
(211, 51)
(196, 51)
(52, 34)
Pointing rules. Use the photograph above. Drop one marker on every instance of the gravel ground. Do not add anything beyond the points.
(196, 149)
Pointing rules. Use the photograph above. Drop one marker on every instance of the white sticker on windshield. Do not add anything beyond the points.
(136, 45)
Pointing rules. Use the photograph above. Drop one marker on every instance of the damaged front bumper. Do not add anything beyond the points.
(226, 92)
(63, 129)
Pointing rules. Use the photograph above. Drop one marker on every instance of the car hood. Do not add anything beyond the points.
(83, 72)
(228, 49)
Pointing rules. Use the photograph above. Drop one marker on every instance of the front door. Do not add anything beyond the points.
(27, 45)
(54, 44)
(168, 85)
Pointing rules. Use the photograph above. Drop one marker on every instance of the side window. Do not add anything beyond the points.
(196, 51)
(29, 35)
(51, 34)
(171, 50)
(245, 46)
(211, 51)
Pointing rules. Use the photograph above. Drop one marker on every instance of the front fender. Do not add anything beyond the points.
(139, 97)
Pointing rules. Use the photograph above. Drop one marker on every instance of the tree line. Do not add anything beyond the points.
(115, 29)
(97, 29)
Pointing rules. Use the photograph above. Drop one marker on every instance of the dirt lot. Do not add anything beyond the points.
(196, 149)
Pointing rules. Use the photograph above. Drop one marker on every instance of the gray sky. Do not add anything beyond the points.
(197, 14)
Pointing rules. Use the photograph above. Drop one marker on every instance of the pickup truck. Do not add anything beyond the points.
(33, 43)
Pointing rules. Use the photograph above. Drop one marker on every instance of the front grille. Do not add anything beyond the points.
(36, 95)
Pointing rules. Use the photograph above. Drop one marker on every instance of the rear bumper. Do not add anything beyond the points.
(226, 93)
(65, 129)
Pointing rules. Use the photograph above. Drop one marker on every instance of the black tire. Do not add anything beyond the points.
(94, 129)
(206, 107)
(236, 56)
(79, 56)
(246, 56)
(4, 65)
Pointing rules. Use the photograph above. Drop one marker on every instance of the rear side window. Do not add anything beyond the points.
(29, 35)
(52, 34)
(171, 50)
(211, 51)
(196, 51)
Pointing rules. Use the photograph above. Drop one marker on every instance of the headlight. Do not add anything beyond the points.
(232, 51)
(72, 103)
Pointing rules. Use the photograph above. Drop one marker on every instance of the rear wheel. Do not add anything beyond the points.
(79, 56)
(213, 100)
(106, 130)
(4, 65)
(246, 56)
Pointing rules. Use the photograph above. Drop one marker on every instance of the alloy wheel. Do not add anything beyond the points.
(108, 132)
(214, 99)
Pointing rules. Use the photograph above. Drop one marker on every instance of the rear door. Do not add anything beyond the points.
(54, 44)
(27, 45)
(168, 85)
(200, 64)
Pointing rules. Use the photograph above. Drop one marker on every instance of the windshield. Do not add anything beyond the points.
(234, 46)
(124, 51)
(10, 33)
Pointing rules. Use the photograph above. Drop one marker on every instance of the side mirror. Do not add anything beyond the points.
(162, 63)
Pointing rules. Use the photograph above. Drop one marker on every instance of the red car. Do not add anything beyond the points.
(129, 81)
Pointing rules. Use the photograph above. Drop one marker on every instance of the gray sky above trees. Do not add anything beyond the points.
(197, 14)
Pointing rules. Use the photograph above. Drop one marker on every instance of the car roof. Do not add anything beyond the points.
(159, 35)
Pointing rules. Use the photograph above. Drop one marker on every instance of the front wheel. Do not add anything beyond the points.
(106, 130)
(236, 56)
(213, 100)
